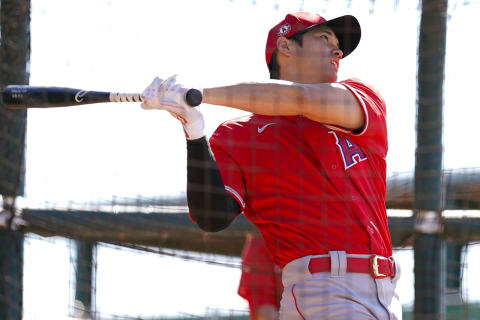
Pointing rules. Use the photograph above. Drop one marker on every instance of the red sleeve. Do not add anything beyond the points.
(222, 144)
(260, 283)
(373, 135)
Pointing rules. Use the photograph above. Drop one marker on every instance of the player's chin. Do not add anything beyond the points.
(330, 73)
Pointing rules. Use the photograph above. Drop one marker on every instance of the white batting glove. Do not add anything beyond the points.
(170, 96)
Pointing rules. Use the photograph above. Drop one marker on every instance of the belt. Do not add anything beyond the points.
(379, 267)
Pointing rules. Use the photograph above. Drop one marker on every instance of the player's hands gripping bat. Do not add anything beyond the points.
(20, 97)
(168, 95)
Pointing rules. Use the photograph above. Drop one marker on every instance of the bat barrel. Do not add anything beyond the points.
(18, 97)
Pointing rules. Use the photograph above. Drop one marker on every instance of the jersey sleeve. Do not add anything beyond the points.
(259, 283)
(222, 144)
(373, 134)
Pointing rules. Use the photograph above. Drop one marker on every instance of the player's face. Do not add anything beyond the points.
(318, 59)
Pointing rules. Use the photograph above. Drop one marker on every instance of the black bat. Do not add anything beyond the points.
(21, 97)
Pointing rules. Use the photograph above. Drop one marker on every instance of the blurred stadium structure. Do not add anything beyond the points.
(160, 225)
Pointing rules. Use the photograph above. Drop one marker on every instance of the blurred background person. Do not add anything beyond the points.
(261, 280)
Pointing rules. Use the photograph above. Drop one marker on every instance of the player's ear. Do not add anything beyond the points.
(284, 46)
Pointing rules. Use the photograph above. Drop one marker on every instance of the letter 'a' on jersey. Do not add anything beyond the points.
(310, 188)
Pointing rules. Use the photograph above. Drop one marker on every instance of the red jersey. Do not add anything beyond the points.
(261, 281)
(309, 187)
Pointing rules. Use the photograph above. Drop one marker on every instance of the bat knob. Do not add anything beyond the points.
(193, 97)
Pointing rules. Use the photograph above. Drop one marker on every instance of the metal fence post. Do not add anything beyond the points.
(14, 58)
(11, 274)
(84, 275)
(429, 246)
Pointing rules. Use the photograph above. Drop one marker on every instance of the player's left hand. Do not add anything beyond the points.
(170, 96)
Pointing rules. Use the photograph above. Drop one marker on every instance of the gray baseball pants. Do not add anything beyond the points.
(337, 295)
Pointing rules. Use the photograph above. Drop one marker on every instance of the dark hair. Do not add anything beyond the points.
(273, 66)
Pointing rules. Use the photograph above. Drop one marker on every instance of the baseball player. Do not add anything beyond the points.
(307, 167)
(261, 280)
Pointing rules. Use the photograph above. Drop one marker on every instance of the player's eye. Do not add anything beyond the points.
(324, 36)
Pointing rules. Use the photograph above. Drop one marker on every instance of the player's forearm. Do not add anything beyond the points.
(269, 98)
(329, 103)
(212, 208)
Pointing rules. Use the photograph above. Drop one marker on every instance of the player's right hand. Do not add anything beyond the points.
(170, 96)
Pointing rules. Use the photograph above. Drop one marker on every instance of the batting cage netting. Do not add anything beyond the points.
(95, 222)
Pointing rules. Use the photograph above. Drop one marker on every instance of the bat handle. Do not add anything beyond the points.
(193, 97)
(125, 97)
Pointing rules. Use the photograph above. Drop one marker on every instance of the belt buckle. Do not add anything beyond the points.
(374, 263)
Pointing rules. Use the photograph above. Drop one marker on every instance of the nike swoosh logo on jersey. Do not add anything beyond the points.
(261, 129)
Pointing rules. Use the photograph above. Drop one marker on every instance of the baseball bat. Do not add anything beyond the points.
(21, 97)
